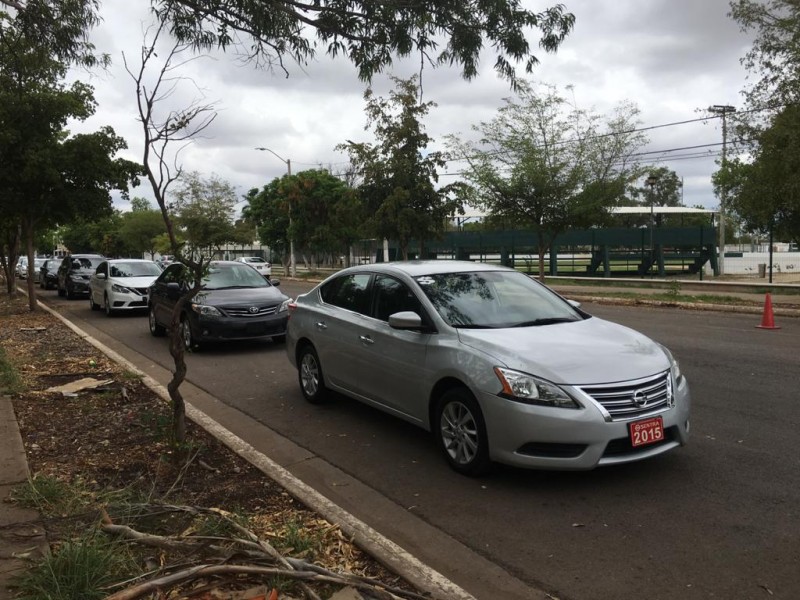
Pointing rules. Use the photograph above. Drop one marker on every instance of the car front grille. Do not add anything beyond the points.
(633, 399)
(248, 312)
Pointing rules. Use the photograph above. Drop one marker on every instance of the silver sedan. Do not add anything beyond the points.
(498, 366)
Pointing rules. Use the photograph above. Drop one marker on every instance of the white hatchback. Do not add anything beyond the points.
(122, 284)
(258, 263)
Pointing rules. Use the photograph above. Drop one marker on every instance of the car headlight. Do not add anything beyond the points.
(204, 310)
(284, 305)
(119, 289)
(532, 390)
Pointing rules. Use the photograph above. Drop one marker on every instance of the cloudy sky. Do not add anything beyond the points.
(672, 58)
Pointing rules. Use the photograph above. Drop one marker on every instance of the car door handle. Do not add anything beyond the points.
(321, 325)
(366, 339)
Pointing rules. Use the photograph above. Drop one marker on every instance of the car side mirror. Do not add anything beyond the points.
(101, 275)
(275, 282)
(173, 290)
(573, 303)
(406, 320)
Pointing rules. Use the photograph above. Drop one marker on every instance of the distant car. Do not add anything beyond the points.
(74, 273)
(258, 263)
(122, 284)
(496, 365)
(236, 303)
(22, 267)
(37, 265)
(48, 273)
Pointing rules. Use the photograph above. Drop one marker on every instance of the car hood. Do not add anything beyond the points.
(590, 351)
(133, 282)
(240, 296)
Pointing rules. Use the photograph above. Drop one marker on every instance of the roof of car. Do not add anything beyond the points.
(129, 260)
(415, 268)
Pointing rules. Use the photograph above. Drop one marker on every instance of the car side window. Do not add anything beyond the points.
(392, 296)
(349, 291)
(172, 274)
(102, 269)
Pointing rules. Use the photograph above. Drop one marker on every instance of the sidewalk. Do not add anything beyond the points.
(20, 530)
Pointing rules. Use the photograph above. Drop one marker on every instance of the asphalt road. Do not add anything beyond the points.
(719, 518)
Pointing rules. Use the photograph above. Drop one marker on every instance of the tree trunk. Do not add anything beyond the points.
(28, 236)
(176, 349)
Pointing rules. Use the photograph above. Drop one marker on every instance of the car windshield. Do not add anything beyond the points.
(494, 300)
(233, 276)
(253, 259)
(135, 269)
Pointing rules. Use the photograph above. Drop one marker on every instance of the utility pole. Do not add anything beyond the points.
(724, 110)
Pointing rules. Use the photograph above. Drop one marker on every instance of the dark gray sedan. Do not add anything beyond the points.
(498, 366)
(236, 303)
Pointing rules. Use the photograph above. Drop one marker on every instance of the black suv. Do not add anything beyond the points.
(74, 274)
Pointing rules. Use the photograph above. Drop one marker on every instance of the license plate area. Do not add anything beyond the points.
(646, 431)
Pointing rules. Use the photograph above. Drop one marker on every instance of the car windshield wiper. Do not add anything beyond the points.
(544, 321)
(230, 287)
(473, 326)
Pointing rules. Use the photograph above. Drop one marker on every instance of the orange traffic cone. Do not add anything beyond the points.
(768, 320)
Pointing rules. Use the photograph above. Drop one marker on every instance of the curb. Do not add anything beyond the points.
(371, 541)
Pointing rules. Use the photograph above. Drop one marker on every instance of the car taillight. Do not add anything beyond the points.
(292, 306)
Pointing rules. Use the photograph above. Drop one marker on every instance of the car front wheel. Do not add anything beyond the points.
(461, 433)
(309, 372)
(110, 312)
(156, 330)
(186, 334)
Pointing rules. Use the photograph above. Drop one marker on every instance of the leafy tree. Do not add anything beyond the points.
(326, 214)
(544, 165)
(446, 32)
(61, 28)
(774, 58)
(666, 191)
(204, 210)
(399, 174)
(139, 230)
(268, 210)
(765, 192)
(47, 175)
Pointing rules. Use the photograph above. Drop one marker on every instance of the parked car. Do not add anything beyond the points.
(236, 303)
(495, 364)
(37, 265)
(22, 267)
(258, 263)
(48, 273)
(74, 273)
(122, 284)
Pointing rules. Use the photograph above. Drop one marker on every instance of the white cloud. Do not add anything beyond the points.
(672, 58)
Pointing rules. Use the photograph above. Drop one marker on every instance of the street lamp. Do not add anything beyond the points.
(652, 181)
(288, 163)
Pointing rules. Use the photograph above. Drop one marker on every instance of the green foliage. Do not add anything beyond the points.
(549, 166)
(204, 209)
(399, 174)
(369, 34)
(52, 497)
(10, 381)
(774, 58)
(80, 569)
(326, 215)
(765, 192)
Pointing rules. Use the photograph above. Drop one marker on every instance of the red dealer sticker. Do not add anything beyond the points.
(648, 431)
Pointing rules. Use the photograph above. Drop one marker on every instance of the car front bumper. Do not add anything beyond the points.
(541, 437)
(127, 301)
(221, 329)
